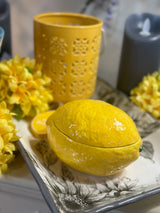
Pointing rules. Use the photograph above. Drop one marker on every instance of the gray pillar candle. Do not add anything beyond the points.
(140, 51)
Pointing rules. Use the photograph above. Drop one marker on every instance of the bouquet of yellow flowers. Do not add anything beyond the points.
(147, 94)
(7, 137)
(24, 88)
(24, 91)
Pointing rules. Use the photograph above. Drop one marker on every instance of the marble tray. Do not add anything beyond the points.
(68, 191)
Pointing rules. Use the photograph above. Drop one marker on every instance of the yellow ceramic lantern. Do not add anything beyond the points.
(93, 136)
(68, 46)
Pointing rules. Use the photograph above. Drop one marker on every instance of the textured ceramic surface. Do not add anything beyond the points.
(67, 44)
(66, 190)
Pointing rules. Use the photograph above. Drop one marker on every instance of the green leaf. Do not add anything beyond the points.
(9, 92)
(29, 70)
(18, 112)
(157, 76)
(140, 148)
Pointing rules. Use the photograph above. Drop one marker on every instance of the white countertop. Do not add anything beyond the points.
(19, 191)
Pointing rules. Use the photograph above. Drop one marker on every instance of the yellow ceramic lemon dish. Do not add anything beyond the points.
(93, 136)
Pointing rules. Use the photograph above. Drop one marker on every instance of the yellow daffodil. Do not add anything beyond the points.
(147, 94)
(7, 138)
(23, 86)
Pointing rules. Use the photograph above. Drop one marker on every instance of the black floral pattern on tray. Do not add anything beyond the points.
(70, 191)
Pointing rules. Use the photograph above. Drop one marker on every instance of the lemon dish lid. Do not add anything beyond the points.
(95, 123)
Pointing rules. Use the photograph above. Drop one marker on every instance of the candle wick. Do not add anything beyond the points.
(146, 28)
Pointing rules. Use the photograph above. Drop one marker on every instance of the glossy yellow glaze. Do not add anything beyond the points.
(93, 137)
(96, 123)
(38, 124)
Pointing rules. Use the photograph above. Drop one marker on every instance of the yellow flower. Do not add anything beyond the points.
(8, 137)
(23, 86)
(147, 94)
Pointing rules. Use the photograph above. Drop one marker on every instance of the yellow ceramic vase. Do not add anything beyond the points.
(68, 44)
